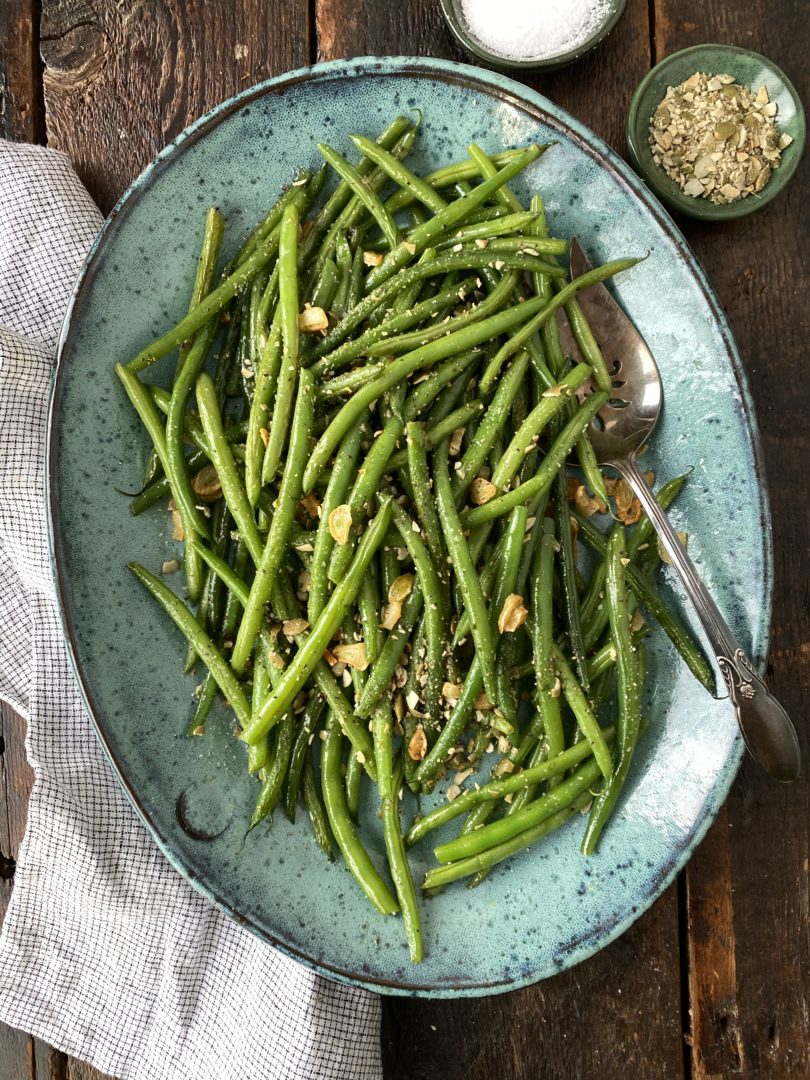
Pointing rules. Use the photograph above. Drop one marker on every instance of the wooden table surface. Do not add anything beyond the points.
(714, 981)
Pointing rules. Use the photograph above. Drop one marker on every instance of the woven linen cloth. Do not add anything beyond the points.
(106, 952)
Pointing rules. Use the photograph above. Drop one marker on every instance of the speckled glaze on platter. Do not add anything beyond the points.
(547, 909)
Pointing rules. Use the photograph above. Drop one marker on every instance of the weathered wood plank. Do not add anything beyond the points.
(80, 1070)
(613, 1017)
(121, 79)
(747, 884)
(20, 83)
(15, 784)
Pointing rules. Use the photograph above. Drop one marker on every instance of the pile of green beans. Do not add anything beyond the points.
(366, 450)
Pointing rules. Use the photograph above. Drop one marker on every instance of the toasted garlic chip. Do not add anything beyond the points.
(417, 747)
(513, 614)
(391, 615)
(353, 655)
(340, 523)
(206, 485)
(481, 491)
(401, 588)
(313, 320)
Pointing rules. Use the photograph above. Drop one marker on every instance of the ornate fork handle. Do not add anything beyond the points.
(764, 724)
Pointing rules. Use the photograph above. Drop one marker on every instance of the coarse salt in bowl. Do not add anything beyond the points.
(515, 34)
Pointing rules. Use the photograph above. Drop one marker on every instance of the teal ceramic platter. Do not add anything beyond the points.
(549, 908)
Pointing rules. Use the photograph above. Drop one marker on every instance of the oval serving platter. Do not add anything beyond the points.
(549, 908)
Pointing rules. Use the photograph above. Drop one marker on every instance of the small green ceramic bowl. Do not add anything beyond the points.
(749, 69)
(458, 24)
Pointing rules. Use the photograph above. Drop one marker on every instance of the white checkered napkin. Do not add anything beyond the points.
(106, 952)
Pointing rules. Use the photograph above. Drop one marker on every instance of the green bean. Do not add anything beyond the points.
(274, 780)
(544, 316)
(266, 378)
(343, 830)
(401, 368)
(651, 599)
(285, 603)
(368, 606)
(182, 491)
(583, 714)
(364, 193)
(435, 631)
(459, 418)
(315, 809)
(206, 269)
(209, 611)
(287, 376)
(210, 306)
(496, 789)
(501, 227)
(524, 245)
(343, 259)
(587, 344)
(568, 580)
(590, 468)
(510, 563)
(258, 754)
(367, 482)
(505, 828)
(343, 192)
(146, 409)
(273, 217)
(629, 716)
(544, 477)
(400, 174)
(503, 195)
(152, 470)
(448, 176)
(382, 725)
(348, 381)
(309, 725)
(208, 693)
(546, 693)
(594, 611)
(443, 875)
(547, 408)
(337, 488)
(464, 568)
(381, 334)
(326, 286)
(160, 488)
(354, 777)
(352, 214)
(222, 459)
(334, 350)
(489, 305)
(390, 565)
(278, 536)
(356, 280)
(381, 672)
(421, 484)
(296, 674)
(210, 655)
(426, 234)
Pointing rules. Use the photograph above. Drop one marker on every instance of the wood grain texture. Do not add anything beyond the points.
(20, 82)
(80, 1070)
(15, 784)
(613, 1017)
(748, 882)
(124, 77)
